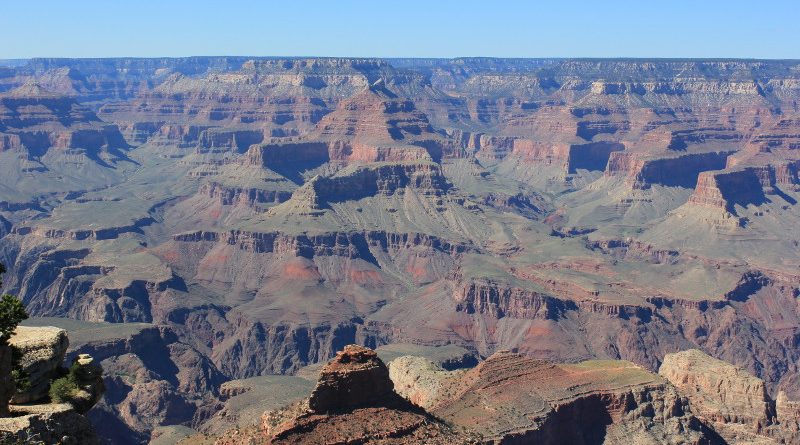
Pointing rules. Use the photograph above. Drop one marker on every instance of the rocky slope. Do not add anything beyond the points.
(509, 398)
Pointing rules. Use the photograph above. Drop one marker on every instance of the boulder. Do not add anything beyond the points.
(41, 351)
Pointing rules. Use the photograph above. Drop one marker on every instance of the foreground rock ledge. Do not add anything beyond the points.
(506, 399)
(42, 350)
(34, 419)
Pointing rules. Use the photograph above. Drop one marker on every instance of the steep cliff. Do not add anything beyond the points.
(734, 402)
(34, 120)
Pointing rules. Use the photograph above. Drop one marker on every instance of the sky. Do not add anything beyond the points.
(411, 28)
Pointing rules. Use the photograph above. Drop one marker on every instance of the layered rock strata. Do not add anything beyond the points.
(731, 400)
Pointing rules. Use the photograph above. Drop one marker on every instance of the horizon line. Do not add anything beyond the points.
(776, 59)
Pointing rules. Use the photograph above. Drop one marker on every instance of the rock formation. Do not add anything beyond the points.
(354, 402)
(731, 400)
(421, 381)
(356, 377)
(512, 398)
(41, 352)
(735, 395)
(34, 417)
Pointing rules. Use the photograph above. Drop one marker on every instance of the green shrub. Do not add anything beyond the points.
(64, 389)
(12, 312)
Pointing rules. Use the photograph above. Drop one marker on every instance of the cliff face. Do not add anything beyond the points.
(34, 120)
(680, 171)
(725, 190)
(733, 401)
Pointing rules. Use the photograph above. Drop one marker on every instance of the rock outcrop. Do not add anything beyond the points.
(354, 402)
(356, 377)
(421, 381)
(721, 392)
(41, 352)
(512, 398)
(34, 417)
(731, 400)
(381, 179)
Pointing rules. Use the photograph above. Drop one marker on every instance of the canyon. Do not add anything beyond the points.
(197, 223)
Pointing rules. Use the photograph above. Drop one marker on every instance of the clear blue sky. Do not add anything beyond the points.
(411, 28)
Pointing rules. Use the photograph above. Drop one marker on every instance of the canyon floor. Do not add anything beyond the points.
(208, 224)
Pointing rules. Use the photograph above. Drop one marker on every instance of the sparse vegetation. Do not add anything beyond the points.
(12, 312)
(66, 388)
